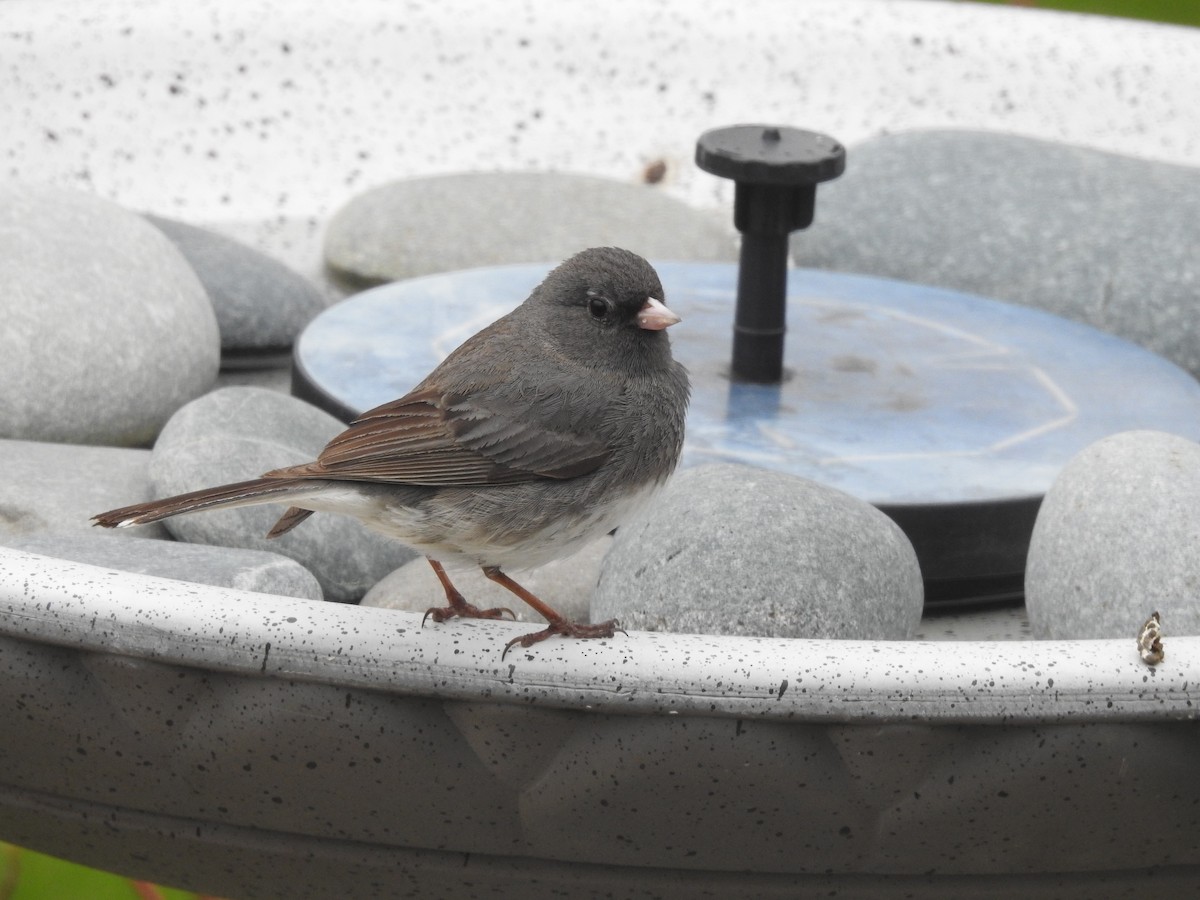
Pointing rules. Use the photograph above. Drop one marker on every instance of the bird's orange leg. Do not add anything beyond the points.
(557, 623)
(458, 607)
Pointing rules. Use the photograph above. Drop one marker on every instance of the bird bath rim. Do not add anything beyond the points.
(56, 602)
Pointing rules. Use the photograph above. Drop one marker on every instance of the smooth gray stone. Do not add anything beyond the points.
(1099, 238)
(238, 433)
(107, 330)
(246, 570)
(565, 584)
(1118, 538)
(261, 304)
(451, 222)
(730, 549)
(57, 488)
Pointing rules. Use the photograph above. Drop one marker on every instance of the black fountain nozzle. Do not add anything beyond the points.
(776, 171)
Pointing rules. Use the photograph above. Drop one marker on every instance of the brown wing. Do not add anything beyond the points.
(430, 438)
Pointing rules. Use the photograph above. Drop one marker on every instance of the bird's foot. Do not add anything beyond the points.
(566, 629)
(465, 610)
(458, 606)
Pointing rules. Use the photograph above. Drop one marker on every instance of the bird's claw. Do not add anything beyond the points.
(566, 629)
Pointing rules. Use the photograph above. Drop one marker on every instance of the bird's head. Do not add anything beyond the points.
(606, 306)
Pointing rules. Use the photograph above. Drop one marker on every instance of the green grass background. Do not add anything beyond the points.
(26, 875)
(1181, 12)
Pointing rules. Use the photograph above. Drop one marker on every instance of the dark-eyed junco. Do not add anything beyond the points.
(546, 429)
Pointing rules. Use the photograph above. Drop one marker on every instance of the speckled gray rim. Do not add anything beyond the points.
(260, 746)
(52, 601)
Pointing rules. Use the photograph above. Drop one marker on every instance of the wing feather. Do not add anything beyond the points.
(431, 438)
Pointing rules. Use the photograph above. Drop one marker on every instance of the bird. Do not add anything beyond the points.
(544, 430)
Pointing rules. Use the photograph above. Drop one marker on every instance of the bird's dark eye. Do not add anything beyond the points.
(597, 307)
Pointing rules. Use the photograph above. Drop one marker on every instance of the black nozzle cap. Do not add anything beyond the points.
(770, 154)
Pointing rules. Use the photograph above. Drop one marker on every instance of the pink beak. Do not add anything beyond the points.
(654, 316)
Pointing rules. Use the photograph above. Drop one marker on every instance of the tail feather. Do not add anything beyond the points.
(243, 493)
(289, 520)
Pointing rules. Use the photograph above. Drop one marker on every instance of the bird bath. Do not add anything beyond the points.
(264, 746)
(253, 745)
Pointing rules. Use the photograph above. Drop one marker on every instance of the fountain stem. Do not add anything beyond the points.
(776, 171)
